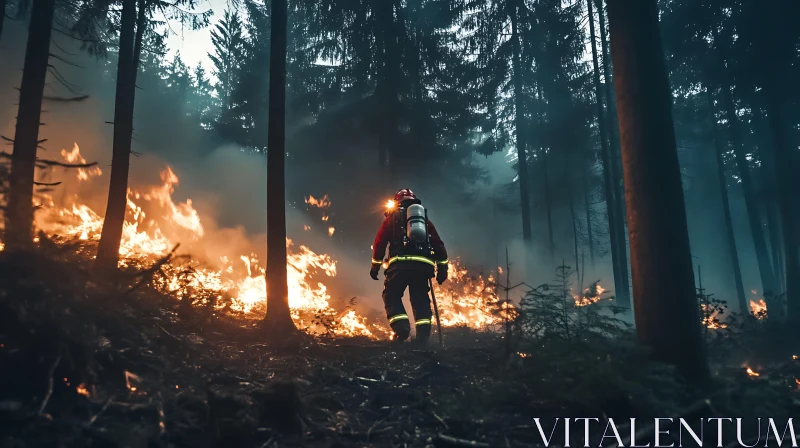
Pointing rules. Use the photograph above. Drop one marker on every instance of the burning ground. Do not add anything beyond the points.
(205, 269)
(170, 353)
(109, 364)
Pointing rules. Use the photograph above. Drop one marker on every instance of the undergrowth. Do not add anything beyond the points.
(96, 363)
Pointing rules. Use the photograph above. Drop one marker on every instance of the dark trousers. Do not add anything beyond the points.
(393, 288)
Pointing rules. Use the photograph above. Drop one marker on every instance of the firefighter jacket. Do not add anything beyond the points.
(391, 234)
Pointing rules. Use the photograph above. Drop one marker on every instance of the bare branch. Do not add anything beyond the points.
(66, 100)
(47, 163)
(53, 55)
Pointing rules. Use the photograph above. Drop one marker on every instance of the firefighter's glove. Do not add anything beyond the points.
(441, 273)
(373, 272)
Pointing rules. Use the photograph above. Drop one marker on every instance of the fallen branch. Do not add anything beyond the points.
(168, 333)
(149, 272)
(50, 381)
(460, 442)
(369, 431)
(100, 412)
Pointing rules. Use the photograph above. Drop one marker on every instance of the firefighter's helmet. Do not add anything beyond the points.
(404, 195)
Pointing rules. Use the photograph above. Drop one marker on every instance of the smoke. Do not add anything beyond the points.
(228, 186)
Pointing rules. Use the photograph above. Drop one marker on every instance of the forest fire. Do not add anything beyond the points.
(468, 300)
(155, 223)
(751, 372)
(711, 317)
(590, 295)
(322, 202)
(81, 389)
(758, 308)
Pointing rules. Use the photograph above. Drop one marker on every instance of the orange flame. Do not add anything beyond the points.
(75, 157)
(592, 294)
(322, 202)
(752, 372)
(154, 222)
(469, 300)
(83, 390)
(758, 308)
(710, 320)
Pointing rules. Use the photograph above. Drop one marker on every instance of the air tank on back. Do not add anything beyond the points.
(415, 228)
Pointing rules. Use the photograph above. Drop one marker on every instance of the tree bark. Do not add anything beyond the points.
(113, 223)
(386, 88)
(278, 317)
(769, 194)
(665, 301)
(545, 173)
(619, 270)
(726, 209)
(743, 169)
(2, 16)
(141, 23)
(574, 219)
(19, 213)
(777, 48)
(519, 123)
(615, 166)
(587, 205)
(779, 128)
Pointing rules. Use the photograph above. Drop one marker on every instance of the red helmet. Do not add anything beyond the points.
(404, 195)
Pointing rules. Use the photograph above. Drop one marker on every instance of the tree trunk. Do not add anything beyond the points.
(726, 209)
(386, 89)
(2, 16)
(19, 214)
(278, 317)
(111, 235)
(776, 242)
(743, 168)
(519, 120)
(620, 270)
(665, 301)
(141, 23)
(777, 50)
(615, 161)
(779, 128)
(574, 219)
(768, 174)
(587, 205)
(548, 202)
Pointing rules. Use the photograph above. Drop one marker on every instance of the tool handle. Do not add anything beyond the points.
(436, 312)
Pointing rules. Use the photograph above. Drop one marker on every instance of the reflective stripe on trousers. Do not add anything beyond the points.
(397, 317)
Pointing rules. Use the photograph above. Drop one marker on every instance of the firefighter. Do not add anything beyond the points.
(415, 253)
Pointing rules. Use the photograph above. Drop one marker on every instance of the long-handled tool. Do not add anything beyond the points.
(430, 284)
(436, 312)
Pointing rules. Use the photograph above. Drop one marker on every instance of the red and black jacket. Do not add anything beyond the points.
(391, 234)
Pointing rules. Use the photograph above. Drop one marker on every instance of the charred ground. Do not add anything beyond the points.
(89, 362)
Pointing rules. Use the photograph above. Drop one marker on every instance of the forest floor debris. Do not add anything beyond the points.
(86, 363)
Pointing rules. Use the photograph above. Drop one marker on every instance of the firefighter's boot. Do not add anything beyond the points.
(423, 332)
(402, 329)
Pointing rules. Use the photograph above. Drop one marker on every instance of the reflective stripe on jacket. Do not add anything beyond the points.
(391, 235)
